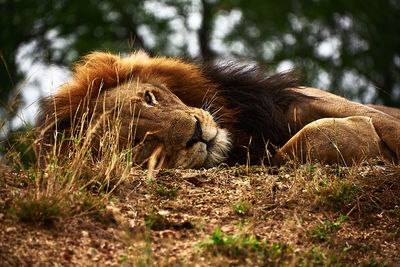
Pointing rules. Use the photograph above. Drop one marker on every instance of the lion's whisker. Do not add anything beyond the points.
(204, 96)
(207, 104)
(219, 118)
(215, 112)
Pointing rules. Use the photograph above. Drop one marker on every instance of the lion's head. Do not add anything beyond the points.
(153, 116)
(135, 93)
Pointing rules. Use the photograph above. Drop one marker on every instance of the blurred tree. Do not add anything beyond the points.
(352, 44)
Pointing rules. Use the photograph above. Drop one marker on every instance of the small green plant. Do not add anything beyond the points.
(395, 234)
(341, 193)
(310, 168)
(242, 207)
(372, 263)
(242, 246)
(334, 190)
(232, 245)
(124, 258)
(324, 231)
(318, 257)
(41, 211)
(164, 191)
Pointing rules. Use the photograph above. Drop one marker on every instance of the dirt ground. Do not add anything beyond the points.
(302, 215)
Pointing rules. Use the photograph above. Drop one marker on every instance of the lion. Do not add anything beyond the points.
(202, 115)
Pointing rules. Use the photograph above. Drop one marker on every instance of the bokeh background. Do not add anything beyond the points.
(349, 47)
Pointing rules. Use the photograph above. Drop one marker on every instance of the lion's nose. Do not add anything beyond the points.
(197, 134)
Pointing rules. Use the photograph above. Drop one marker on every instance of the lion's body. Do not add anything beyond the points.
(196, 111)
(365, 132)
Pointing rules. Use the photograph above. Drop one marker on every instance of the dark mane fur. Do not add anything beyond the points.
(259, 102)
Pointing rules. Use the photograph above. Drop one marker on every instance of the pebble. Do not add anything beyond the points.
(226, 228)
(85, 234)
(11, 229)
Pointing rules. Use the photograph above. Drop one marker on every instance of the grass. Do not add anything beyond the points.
(324, 231)
(331, 186)
(60, 184)
(164, 191)
(165, 228)
(242, 207)
(241, 246)
(318, 257)
(39, 211)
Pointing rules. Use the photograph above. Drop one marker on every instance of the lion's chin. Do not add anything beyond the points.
(205, 155)
(217, 149)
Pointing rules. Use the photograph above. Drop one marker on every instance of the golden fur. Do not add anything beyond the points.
(199, 109)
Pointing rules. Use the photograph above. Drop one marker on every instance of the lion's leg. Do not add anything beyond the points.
(327, 105)
(330, 140)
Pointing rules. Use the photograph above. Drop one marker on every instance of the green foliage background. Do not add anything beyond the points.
(364, 37)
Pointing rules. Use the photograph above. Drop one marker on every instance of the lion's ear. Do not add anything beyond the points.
(94, 58)
(96, 69)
